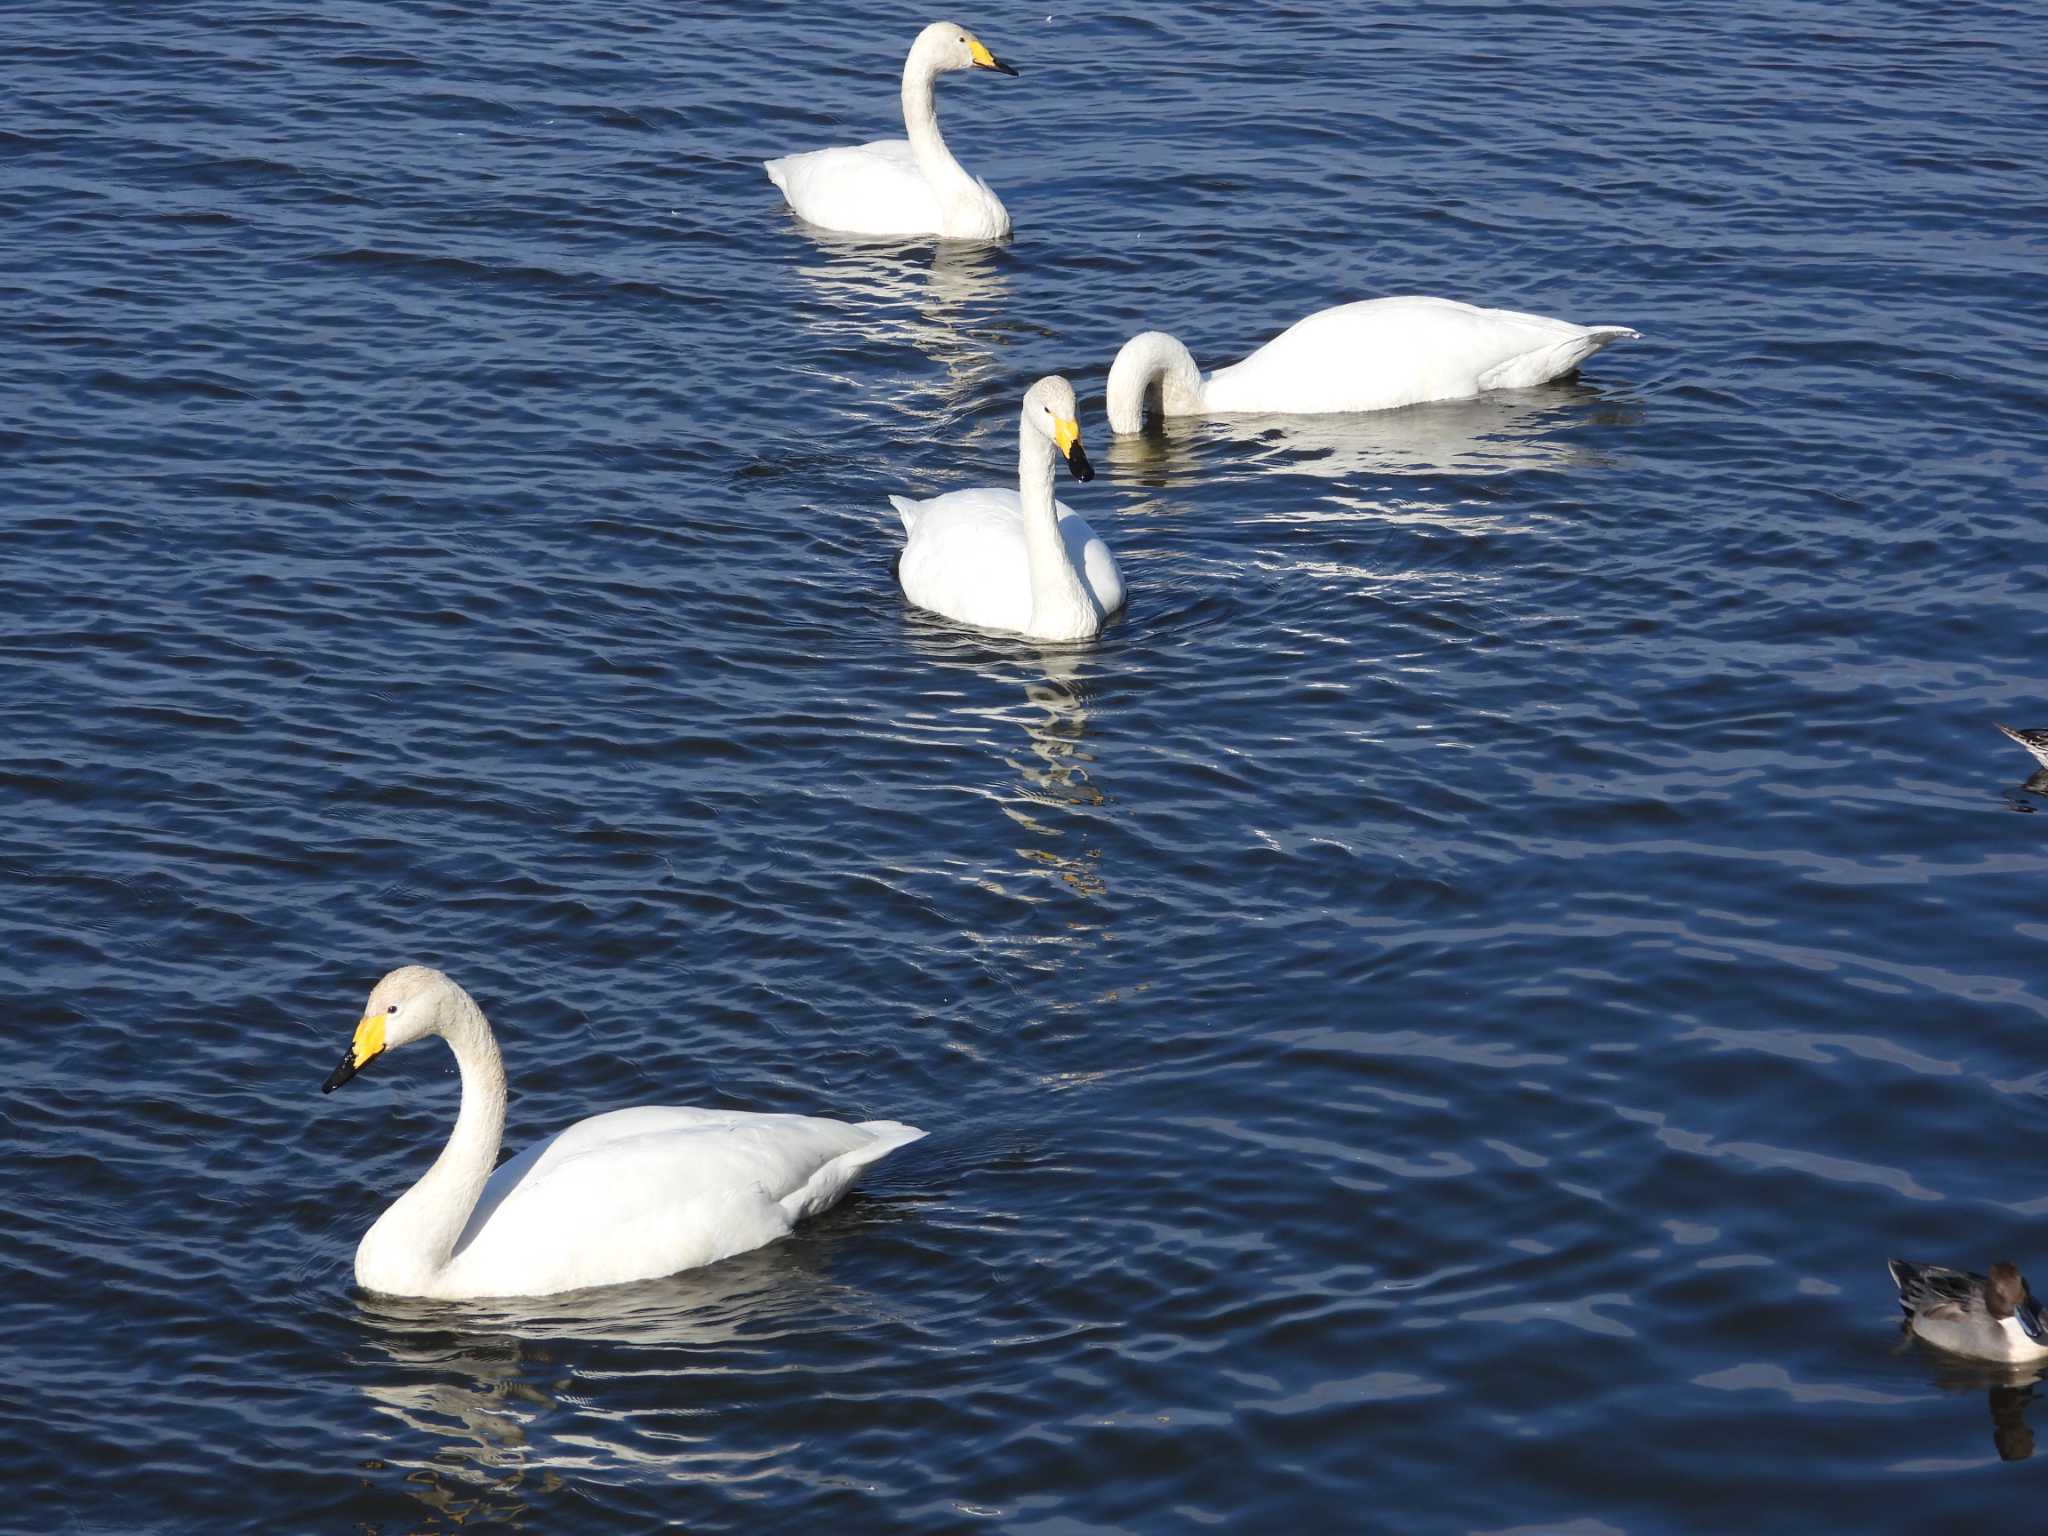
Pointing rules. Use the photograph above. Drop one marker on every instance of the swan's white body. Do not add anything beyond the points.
(1374, 355)
(902, 187)
(1015, 561)
(629, 1195)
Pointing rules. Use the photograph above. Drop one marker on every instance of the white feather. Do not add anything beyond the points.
(1375, 355)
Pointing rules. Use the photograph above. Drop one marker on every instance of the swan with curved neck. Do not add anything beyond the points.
(629, 1195)
(1374, 355)
(1016, 561)
(902, 187)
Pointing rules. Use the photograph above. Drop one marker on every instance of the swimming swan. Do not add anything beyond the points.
(1015, 560)
(908, 186)
(628, 1195)
(1370, 356)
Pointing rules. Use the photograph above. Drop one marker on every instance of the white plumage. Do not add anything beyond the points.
(1015, 561)
(1374, 355)
(629, 1195)
(902, 187)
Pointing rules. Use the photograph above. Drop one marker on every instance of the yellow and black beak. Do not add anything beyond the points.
(369, 1042)
(1066, 436)
(983, 59)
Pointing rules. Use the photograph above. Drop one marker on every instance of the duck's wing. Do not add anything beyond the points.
(1932, 1290)
(2034, 740)
(2032, 1320)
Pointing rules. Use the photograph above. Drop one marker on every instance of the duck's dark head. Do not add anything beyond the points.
(2004, 1290)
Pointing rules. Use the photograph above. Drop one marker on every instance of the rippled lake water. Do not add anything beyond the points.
(1433, 1023)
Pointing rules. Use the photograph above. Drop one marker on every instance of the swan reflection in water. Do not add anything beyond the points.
(1056, 774)
(948, 301)
(486, 1404)
(1493, 434)
(1053, 765)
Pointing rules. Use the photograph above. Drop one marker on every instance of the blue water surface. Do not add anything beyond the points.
(1433, 1023)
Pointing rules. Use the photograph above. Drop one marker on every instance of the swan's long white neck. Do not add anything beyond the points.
(947, 176)
(1061, 608)
(416, 1237)
(1152, 359)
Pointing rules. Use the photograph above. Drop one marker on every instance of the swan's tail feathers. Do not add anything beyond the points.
(777, 174)
(907, 510)
(831, 1181)
(889, 1135)
(1555, 361)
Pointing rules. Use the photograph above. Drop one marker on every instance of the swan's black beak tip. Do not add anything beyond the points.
(1078, 465)
(340, 1074)
(1000, 67)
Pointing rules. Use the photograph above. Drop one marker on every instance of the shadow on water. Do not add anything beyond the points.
(2008, 1392)
(2036, 787)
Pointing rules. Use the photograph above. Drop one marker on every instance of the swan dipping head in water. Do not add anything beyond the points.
(1375, 355)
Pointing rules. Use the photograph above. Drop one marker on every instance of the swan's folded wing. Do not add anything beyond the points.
(649, 1191)
(1379, 354)
(1094, 561)
(965, 558)
(871, 188)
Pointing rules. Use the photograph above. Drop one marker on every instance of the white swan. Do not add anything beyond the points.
(1015, 560)
(629, 1195)
(908, 186)
(1370, 356)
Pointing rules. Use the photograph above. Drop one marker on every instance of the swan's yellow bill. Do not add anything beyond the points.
(369, 1041)
(983, 59)
(1065, 434)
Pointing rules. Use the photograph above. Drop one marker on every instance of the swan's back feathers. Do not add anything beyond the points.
(1379, 354)
(649, 1191)
(862, 189)
(1552, 362)
(824, 1187)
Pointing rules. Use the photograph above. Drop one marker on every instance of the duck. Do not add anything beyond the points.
(1017, 561)
(1992, 1317)
(633, 1194)
(902, 187)
(1374, 355)
(2034, 739)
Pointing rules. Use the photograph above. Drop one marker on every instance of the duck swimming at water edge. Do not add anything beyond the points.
(1986, 1317)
